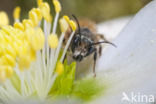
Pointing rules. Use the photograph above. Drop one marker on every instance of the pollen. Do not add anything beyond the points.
(9, 60)
(27, 23)
(24, 62)
(39, 2)
(9, 71)
(57, 6)
(36, 38)
(63, 25)
(53, 40)
(25, 56)
(73, 25)
(59, 68)
(30, 51)
(18, 46)
(49, 18)
(19, 25)
(16, 13)
(38, 12)
(2, 75)
(66, 18)
(3, 19)
(45, 11)
(34, 17)
(70, 22)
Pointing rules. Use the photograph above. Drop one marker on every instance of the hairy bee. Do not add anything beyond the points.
(86, 42)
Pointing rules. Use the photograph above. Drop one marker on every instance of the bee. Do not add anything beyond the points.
(86, 42)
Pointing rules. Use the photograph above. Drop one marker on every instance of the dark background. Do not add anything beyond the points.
(97, 10)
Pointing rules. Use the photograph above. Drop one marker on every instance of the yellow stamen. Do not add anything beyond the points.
(57, 6)
(16, 13)
(24, 62)
(66, 18)
(27, 23)
(3, 19)
(6, 29)
(73, 25)
(21, 43)
(19, 25)
(53, 40)
(59, 68)
(24, 57)
(45, 7)
(70, 22)
(49, 18)
(2, 74)
(9, 60)
(9, 71)
(34, 17)
(10, 50)
(38, 12)
(45, 10)
(63, 25)
(33, 55)
(36, 38)
(39, 2)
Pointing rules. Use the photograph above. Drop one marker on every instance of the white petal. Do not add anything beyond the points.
(113, 27)
(131, 67)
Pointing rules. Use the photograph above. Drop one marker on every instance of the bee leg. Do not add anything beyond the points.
(64, 57)
(95, 57)
(100, 50)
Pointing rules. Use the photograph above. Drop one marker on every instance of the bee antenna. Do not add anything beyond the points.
(104, 42)
(77, 23)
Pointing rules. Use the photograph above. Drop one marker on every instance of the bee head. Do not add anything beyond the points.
(81, 45)
(78, 48)
(76, 43)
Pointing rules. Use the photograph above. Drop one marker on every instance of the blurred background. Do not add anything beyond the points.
(96, 10)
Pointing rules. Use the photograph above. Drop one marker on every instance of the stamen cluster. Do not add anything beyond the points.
(26, 45)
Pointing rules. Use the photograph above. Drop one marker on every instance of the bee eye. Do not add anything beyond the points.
(75, 43)
(76, 40)
(90, 50)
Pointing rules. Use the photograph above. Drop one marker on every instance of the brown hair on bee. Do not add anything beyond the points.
(86, 42)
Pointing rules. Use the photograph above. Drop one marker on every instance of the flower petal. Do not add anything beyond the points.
(131, 66)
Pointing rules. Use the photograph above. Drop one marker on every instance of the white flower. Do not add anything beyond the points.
(130, 68)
